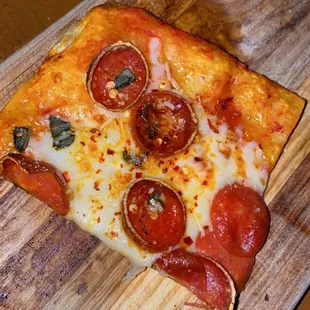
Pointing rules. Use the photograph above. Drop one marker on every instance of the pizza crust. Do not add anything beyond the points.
(203, 71)
(249, 119)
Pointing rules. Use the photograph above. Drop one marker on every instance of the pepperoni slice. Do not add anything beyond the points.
(163, 123)
(39, 179)
(240, 220)
(117, 76)
(239, 268)
(154, 215)
(201, 275)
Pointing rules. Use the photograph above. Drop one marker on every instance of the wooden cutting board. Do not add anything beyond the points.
(49, 263)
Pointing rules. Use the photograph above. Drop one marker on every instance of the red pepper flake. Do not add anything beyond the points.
(110, 152)
(128, 142)
(180, 193)
(121, 165)
(260, 146)
(131, 169)
(176, 168)
(160, 163)
(100, 207)
(99, 118)
(186, 152)
(171, 179)
(116, 121)
(114, 234)
(206, 227)
(165, 170)
(196, 197)
(213, 128)
(110, 187)
(198, 159)
(94, 130)
(224, 103)
(101, 158)
(139, 175)
(196, 204)
(204, 182)
(96, 186)
(98, 171)
(98, 219)
(93, 138)
(188, 240)
(82, 142)
(66, 176)
(117, 213)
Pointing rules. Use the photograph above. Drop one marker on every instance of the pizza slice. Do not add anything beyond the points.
(155, 141)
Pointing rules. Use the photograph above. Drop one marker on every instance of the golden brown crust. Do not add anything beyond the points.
(266, 111)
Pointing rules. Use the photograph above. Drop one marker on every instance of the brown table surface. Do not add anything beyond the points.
(21, 21)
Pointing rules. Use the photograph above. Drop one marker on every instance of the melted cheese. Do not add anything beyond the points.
(159, 72)
(99, 175)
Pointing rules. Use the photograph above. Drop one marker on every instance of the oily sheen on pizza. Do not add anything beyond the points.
(155, 141)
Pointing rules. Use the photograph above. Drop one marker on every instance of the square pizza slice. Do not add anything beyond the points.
(155, 141)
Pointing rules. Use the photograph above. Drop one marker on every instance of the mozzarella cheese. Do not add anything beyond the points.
(99, 176)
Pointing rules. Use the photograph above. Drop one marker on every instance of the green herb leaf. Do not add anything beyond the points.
(156, 196)
(57, 125)
(61, 133)
(156, 202)
(128, 157)
(152, 130)
(21, 138)
(63, 140)
(144, 112)
(136, 160)
(125, 78)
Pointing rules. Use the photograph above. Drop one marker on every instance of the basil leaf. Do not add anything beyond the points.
(144, 112)
(140, 159)
(136, 160)
(63, 140)
(152, 130)
(125, 78)
(57, 125)
(21, 138)
(61, 133)
(156, 196)
(155, 202)
(129, 158)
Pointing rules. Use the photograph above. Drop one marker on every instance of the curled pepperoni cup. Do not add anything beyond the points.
(201, 275)
(154, 215)
(117, 76)
(240, 220)
(239, 268)
(163, 123)
(38, 179)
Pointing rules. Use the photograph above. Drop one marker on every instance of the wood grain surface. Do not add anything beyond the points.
(47, 262)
